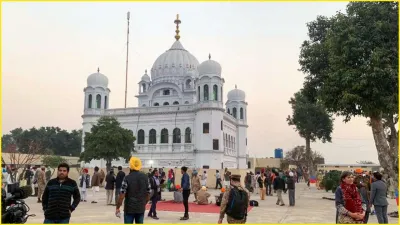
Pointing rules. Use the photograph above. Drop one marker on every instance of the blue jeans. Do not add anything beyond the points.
(130, 217)
(62, 221)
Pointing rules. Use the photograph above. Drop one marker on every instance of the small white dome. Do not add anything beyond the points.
(97, 79)
(236, 95)
(174, 62)
(209, 67)
(146, 77)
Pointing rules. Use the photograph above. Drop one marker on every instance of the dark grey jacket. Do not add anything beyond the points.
(378, 193)
(136, 187)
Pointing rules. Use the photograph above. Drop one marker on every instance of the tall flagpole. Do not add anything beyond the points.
(127, 59)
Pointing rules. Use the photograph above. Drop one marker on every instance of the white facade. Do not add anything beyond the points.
(180, 119)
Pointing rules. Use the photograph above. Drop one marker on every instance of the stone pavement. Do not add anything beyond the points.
(310, 208)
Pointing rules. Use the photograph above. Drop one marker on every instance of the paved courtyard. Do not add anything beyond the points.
(310, 208)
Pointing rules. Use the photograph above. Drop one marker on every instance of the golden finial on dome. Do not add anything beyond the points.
(235, 86)
(177, 22)
(98, 69)
(209, 56)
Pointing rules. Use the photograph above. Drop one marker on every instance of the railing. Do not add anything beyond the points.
(139, 110)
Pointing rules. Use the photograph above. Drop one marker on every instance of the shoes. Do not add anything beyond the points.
(184, 218)
(282, 204)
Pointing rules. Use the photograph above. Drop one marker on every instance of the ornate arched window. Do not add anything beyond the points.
(98, 101)
(215, 92)
(177, 136)
(175, 103)
(234, 112)
(166, 103)
(156, 104)
(105, 102)
(188, 135)
(241, 113)
(140, 137)
(198, 94)
(153, 136)
(206, 94)
(164, 136)
(229, 111)
(90, 102)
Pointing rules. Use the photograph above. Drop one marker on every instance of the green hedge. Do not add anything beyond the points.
(331, 180)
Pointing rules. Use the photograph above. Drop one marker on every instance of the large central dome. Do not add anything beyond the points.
(176, 61)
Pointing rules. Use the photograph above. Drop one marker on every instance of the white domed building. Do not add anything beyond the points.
(180, 119)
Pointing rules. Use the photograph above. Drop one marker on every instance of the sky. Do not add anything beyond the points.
(49, 50)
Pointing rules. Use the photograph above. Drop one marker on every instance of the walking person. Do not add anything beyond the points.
(349, 204)
(4, 177)
(235, 202)
(95, 183)
(110, 184)
(35, 179)
(218, 180)
(227, 178)
(57, 195)
(279, 186)
(41, 182)
(48, 173)
(291, 188)
(84, 181)
(195, 184)
(12, 180)
(185, 189)
(204, 177)
(155, 192)
(118, 183)
(268, 183)
(247, 181)
(365, 195)
(28, 175)
(102, 177)
(135, 189)
(261, 183)
(378, 198)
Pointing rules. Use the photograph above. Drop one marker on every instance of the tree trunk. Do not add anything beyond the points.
(387, 156)
(310, 163)
(108, 165)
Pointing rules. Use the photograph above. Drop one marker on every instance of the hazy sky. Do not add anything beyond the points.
(49, 49)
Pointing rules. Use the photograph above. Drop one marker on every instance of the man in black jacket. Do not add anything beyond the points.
(135, 189)
(118, 183)
(56, 199)
(279, 185)
(291, 187)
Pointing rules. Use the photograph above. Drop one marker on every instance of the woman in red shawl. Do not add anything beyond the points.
(349, 204)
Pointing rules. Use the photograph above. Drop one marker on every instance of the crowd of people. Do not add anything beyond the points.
(35, 176)
(358, 192)
(354, 198)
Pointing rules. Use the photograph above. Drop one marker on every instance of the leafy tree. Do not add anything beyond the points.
(60, 142)
(53, 161)
(109, 141)
(351, 66)
(311, 120)
(298, 157)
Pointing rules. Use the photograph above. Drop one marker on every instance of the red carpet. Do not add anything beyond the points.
(193, 207)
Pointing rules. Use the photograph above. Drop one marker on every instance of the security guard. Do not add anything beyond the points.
(234, 182)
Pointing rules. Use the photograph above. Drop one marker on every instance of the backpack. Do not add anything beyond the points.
(254, 203)
(237, 204)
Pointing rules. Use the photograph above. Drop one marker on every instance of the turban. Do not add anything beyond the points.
(135, 163)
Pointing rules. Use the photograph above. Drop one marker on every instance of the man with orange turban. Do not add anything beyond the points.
(136, 191)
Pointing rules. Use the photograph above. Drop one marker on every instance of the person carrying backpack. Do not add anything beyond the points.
(235, 202)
